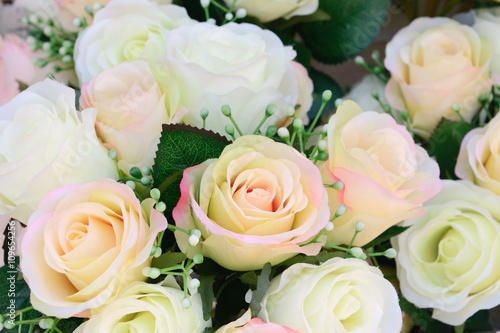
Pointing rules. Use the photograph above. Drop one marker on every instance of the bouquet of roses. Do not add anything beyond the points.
(186, 169)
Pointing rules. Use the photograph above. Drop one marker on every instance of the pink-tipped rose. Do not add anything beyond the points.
(247, 324)
(16, 66)
(132, 104)
(434, 64)
(259, 202)
(479, 157)
(386, 176)
(84, 244)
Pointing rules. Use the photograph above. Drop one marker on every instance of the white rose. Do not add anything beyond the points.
(448, 259)
(486, 24)
(148, 308)
(122, 31)
(268, 10)
(45, 143)
(340, 295)
(240, 65)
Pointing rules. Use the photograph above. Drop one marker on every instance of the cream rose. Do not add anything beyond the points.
(84, 244)
(247, 324)
(240, 65)
(479, 157)
(131, 108)
(486, 24)
(268, 10)
(435, 63)
(46, 143)
(340, 295)
(122, 31)
(16, 65)
(259, 202)
(448, 259)
(151, 308)
(386, 177)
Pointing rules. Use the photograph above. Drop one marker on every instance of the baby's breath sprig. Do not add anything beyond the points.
(231, 14)
(378, 70)
(56, 43)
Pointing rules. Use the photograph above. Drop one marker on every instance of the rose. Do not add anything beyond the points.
(122, 31)
(268, 10)
(478, 160)
(84, 244)
(16, 65)
(240, 65)
(486, 22)
(131, 108)
(152, 308)
(259, 202)
(46, 143)
(340, 295)
(434, 64)
(386, 177)
(247, 324)
(448, 259)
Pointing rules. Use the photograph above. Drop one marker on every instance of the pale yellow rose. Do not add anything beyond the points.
(125, 30)
(148, 308)
(240, 65)
(84, 244)
(260, 201)
(487, 23)
(434, 64)
(340, 295)
(386, 177)
(448, 259)
(479, 157)
(268, 10)
(131, 108)
(46, 143)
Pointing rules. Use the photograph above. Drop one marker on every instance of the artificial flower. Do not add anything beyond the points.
(447, 260)
(340, 295)
(386, 177)
(46, 143)
(151, 308)
(240, 65)
(84, 244)
(436, 63)
(259, 202)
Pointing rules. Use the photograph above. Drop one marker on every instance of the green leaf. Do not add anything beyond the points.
(180, 147)
(315, 260)
(262, 285)
(445, 145)
(352, 27)
(423, 318)
(207, 294)
(303, 53)
(168, 259)
(386, 235)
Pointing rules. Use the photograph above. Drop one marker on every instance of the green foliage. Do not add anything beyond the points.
(262, 285)
(386, 235)
(181, 147)
(168, 259)
(423, 319)
(207, 294)
(352, 27)
(445, 145)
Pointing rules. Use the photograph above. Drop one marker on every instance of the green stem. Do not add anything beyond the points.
(460, 328)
